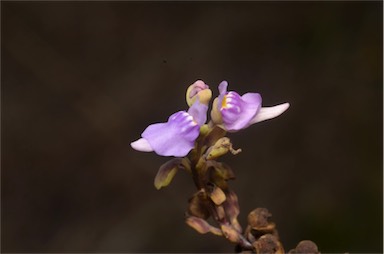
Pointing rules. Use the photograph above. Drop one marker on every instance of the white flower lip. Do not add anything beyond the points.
(266, 113)
(141, 145)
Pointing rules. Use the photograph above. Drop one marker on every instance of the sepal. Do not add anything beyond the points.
(202, 226)
(217, 195)
(232, 208)
(168, 170)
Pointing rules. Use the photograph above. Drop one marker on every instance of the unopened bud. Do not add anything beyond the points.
(198, 90)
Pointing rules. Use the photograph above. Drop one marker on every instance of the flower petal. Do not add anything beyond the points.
(199, 112)
(223, 87)
(239, 111)
(141, 145)
(175, 137)
(216, 105)
(252, 98)
(266, 113)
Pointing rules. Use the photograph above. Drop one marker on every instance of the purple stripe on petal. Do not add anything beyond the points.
(175, 137)
(238, 112)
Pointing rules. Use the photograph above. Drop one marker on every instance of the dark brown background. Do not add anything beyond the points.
(80, 81)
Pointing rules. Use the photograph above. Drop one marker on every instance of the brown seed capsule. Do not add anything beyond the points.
(305, 246)
(268, 244)
(258, 218)
(259, 225)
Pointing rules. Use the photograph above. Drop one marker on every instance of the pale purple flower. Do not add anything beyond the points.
(235, 112)
(177, 136)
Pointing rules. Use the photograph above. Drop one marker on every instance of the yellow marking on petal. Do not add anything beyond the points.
(224, 102)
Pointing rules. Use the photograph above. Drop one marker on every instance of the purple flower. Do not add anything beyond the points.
(235, 112)
(175, 137)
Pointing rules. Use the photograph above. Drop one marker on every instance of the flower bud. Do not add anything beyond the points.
(198, 90)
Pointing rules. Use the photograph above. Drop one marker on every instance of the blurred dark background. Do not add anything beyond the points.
(81, 80)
